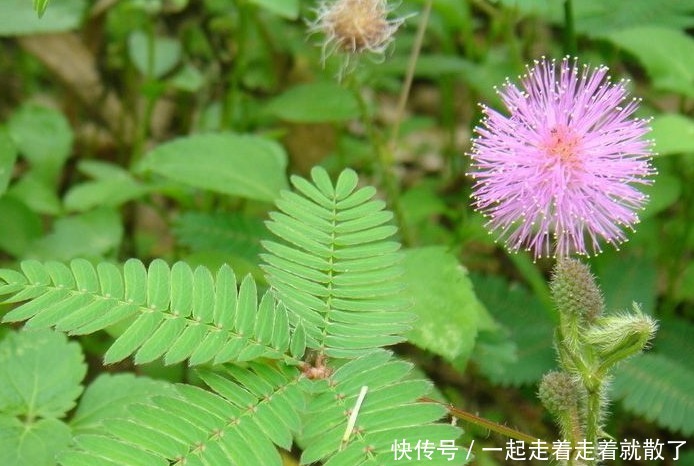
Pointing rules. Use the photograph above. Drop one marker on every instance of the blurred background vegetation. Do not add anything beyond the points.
(106, 110)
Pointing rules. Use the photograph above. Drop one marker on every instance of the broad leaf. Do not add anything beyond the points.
(246, 166)
(37, 192)
(673, 134)
(166, 53)
(666, 54)
(43, 136)
(112, 186)
(109, 396)
(19, 226)
(18, 17)
(315, 103)
(40, 374)
(33, 445)
(442, 297)
(92, 234)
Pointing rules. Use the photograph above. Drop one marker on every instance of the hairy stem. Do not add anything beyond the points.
(593, 417)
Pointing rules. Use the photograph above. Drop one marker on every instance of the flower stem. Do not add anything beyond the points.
(409, 74)
(570, 47)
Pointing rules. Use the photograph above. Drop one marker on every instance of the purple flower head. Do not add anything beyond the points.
(556, 176)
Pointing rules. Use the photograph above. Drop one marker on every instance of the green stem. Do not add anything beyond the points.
(485, 423)
(593, 416)
(573, 428)
(144, 118)
(570, 47)
(409, 75)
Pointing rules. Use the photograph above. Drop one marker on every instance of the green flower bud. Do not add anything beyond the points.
(559, 392)
(617, 337)
(575, 291)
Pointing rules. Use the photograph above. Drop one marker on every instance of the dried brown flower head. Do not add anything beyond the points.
(355, 26)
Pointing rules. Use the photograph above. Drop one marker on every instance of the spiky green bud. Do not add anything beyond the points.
(575, 291)
(559, 392)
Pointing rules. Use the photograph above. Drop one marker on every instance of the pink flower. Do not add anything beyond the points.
(557, 175)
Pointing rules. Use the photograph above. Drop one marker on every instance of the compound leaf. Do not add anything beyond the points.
(248, 412)
(175, 313)
(334, 266)
(389, 411)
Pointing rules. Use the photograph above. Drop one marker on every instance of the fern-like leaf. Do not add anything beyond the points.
(335, 267)
(389, 412)
(174, 312)
(658, 388)
(251, 410)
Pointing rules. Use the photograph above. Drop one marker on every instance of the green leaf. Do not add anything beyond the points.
(92, 234)
(37, 193)
(528, 328)
(112, 187)
(334, 267)
(154, 59)
(599, 17)
(8, 155)
(109, 396)
(315, 103)
(286, 8)
(40, 374)
(44, 137)
(389, 410)
(171, 313)
(659, 389)
(18, 17)
(19, 226)
(225, 232)
(40, 6)
(189, 79)
(239, 165)
(673, 134)
(666, 54)
(33, 444)
(443, 299)
(250, 409)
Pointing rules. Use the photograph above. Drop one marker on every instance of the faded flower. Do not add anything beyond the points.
(557, 175)
(355, 26)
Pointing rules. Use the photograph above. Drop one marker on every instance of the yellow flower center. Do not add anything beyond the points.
(563, 146)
